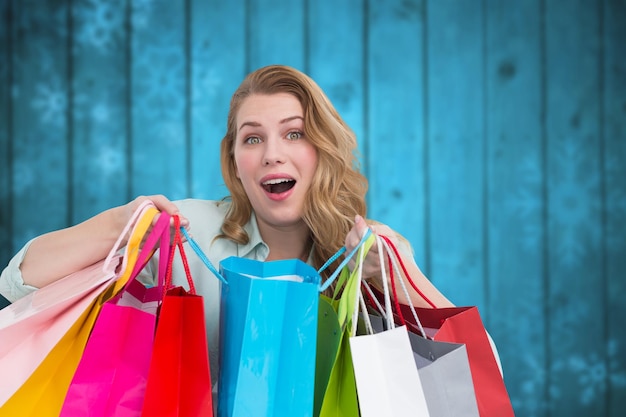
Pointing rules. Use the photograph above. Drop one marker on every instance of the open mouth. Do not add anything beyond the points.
(279, 185)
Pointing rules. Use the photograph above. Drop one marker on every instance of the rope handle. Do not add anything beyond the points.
(343, 263)
(406, 274)
(393, 263)
(196, 248)
(205, 260)
(178, 243)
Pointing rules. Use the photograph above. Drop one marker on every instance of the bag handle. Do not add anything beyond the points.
(349, 297)
(161, 233)
(132, 247)
(196, 248)
(391, 245)
(133, 221)
(395, 259)
(205, 260)
(386, 312)
(178, 243)
(343, 263)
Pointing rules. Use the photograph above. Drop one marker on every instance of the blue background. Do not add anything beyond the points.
(493, 133)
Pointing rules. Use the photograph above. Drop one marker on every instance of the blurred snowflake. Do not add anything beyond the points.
(531, 401)
(160, 79)
(109, 161)
(574, 204)
(99, 24)
(206, 84)
(50, 101)
(141, 13)
(23, 176)
(526, 204)
(591, 372)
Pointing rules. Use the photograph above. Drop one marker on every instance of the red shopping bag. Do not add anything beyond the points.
(179, 380)
(462, 325)
(111, 376)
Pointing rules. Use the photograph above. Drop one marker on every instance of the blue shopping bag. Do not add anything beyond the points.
(268, 336)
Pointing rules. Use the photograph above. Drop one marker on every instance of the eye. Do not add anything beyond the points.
(253, 140)
(295, 135)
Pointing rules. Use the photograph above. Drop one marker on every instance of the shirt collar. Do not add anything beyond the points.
(255, 248)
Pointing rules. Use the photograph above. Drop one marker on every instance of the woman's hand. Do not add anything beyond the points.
(162, 203)
(372, 270)
(371, 263)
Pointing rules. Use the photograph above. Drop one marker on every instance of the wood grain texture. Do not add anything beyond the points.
(395, 160)
(574, 223)
(456, 143)
(99, 115)
(614, 190)
(276, 33)
(159, 100)
(218, 65)
(40, 137)
(335, 59)
(515, 206)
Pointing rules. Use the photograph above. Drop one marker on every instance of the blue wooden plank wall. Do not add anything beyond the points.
(493, 134)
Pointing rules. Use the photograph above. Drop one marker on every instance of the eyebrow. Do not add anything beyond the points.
(257, 124)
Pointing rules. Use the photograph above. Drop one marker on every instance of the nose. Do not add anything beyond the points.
(274, 152)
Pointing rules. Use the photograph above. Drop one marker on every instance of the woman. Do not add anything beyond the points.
(288, 160)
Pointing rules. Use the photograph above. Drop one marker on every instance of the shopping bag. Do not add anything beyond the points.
(111, 377)
(462, 325)
(43, 334)
(268, 334)
(338, 394)
(444, 374)
(446, 377)
(179, 378)
(328, 341)
(386, 375)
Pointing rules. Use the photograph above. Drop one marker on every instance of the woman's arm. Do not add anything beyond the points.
(57, 254)
(371, 265)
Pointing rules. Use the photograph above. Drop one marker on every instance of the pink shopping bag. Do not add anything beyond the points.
(111, 376)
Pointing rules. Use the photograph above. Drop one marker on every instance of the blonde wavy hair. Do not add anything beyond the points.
(338, 188)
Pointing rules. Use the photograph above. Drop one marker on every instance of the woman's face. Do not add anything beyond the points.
(275, 161)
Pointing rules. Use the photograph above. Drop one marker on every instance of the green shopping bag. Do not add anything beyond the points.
(335, 386)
